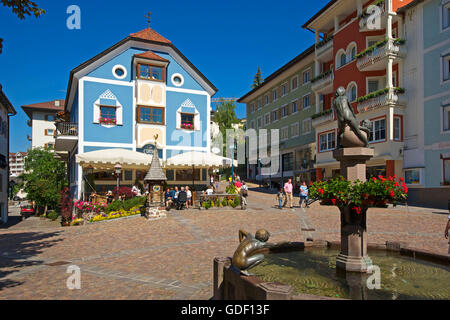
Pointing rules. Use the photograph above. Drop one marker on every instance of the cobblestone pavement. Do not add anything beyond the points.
(172, 258)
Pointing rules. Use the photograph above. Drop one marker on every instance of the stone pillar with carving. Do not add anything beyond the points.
(353, 256)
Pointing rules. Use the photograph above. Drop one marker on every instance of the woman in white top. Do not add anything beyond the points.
(189, 197)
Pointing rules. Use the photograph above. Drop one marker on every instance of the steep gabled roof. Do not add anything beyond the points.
(151, 35)
(151, 55)
(146, 36)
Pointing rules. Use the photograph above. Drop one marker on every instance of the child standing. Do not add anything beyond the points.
(280, 198)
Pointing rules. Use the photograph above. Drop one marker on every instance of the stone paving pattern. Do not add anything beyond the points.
(173, 258)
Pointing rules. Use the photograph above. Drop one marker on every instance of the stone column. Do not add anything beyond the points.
(353, 256)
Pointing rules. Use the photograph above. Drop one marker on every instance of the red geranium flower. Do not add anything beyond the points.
(321, 191)
(357, 210)
(334, 201)
(392, 194)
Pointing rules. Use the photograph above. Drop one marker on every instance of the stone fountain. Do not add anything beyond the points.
(352, 152)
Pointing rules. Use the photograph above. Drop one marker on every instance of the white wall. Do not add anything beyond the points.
(39, 126)
(4, 172)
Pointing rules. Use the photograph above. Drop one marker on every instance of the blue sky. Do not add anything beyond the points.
(226, 40)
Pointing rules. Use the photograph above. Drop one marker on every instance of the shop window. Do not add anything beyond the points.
(288, 162)
(188, 175)
(412, 176)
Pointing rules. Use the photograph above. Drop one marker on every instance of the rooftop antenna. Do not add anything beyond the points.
(149, 19)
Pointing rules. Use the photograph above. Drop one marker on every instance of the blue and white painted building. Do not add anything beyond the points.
(139, 89)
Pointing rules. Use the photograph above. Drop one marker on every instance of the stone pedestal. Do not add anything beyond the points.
(353, 162)
(353, 256)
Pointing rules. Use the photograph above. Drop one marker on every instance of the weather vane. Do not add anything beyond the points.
(149, 18)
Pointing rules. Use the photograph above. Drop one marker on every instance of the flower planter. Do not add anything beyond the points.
(381, 204)
(368, 203)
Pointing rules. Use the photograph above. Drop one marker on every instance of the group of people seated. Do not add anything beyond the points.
(178, 198)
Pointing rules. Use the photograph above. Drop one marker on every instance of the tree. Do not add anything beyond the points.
(257, 80)
(21, 8)
(225, 116)
(44, 177)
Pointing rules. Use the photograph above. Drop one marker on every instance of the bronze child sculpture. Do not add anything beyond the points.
(246, 256)
(346, 117)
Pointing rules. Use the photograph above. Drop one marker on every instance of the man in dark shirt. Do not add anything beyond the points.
(182, 198)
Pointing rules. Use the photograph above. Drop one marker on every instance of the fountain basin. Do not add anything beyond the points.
(307, 271)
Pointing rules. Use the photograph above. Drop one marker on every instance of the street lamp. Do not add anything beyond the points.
(259, 172)
(233, 147)
(118, 169)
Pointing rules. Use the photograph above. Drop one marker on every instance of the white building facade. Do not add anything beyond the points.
(6, 110)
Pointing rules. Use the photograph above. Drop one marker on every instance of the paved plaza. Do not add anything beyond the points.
(172, 258)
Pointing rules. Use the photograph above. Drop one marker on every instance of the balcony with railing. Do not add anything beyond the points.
(382, 98)
(324, 49)
(376, 56)
(322, 118)
(66, 136)
(323, 83)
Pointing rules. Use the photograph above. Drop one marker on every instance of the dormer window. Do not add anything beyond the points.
(151, 72)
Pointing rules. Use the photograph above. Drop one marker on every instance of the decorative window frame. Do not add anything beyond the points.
(445, 5)
(306, 71)
(258, 121)
(163, 69)
(284, 107)
(138, 113)
(298, 84)
(119, 66)
(338, 58)
(444, 61)
(285, 129)
(297, 124)
(385, 129)
(275, 94)
(297, 104)
(197, 121)
(266, 99)
(303, 101)
(348, 90)
(172, 79)
(445, 105)
(108, 95)
(284, 87)
(327, 133)
(348, 52)
(400, 117)
(304, 133)
(266, 123)
(274, 112)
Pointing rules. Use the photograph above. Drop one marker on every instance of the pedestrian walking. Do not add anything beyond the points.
(288, 190)
(244, 195)
(304, 193)
(280, 198)
(447, 233)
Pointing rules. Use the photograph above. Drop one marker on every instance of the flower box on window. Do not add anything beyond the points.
(187, 126)
(108, 121)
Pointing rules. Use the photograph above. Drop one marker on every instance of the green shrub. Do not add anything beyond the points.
(218, 203)
(52, 215)
(133, 202)
(127, 205)
(224, 202)
(237, 201)
(116, 205)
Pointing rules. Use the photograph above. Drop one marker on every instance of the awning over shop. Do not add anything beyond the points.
(113, 157)
(199, 159)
